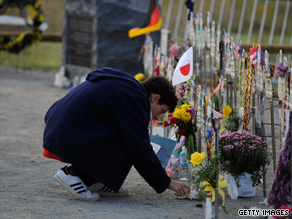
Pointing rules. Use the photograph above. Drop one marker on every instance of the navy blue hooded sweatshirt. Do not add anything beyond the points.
(101, 127)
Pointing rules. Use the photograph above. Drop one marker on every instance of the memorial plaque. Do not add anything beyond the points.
(79, 47)
(95, 35)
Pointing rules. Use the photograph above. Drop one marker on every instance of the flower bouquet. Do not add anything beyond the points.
(205, 177)
(183, 118)
(243, 152)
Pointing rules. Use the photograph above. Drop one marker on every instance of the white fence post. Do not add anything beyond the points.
(255, 3)
(274, 22)
(263, 21)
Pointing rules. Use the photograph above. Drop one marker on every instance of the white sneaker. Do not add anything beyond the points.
(75, 185)
(105, 191)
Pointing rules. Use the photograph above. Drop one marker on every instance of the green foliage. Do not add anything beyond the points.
(206, 172)
(216, 101)
(244, 152)
(231, 122)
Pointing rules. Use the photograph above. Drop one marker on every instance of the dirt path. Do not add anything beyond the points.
(27, 188)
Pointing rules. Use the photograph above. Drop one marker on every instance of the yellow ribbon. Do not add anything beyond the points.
(211, 191)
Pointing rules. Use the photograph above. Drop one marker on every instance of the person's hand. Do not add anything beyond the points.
(179, 188)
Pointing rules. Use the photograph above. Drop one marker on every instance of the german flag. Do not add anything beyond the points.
(150, 24)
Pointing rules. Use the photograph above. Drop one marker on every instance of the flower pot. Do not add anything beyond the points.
(245, 188)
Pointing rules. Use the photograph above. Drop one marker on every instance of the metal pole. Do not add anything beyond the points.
(231, 16)
(178, 18)
(241, 21)
(273, 134)
(212, 9)
(284, 22)
(211, 73)
(205, 72)
(263, 21)
(217, 169)
(253, 115)
(235, 86)
(252, 20)
(274, 22)
(168, 14)
(202, 6)
(263, 139)
(221, 12)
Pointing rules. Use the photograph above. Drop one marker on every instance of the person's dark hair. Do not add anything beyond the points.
(160, 85)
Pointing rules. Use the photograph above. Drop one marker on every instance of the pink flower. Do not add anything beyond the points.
(228, 147)
(174, 54)
(227, 162)
(242, 149)
(174, 47)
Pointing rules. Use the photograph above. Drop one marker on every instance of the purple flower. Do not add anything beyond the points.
(251, 147)
(242, 149)
(191, 111)
(227, 162)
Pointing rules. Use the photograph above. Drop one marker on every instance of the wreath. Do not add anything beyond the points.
(14, 44)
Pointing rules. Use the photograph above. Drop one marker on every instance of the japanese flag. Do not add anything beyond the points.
(184, 68)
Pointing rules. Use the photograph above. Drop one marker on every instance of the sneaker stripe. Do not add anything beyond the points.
(76, 184)
(105, 189)
(65, 170)
(80, 187)
(81, 191)
(102, 188)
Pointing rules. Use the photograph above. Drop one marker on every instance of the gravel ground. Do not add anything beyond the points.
(27, 186)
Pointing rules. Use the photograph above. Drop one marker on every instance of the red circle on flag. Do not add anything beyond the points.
(185, 70)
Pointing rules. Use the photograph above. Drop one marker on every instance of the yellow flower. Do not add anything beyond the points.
(182, 114)
(186, 117)
(197, 158)
(226, 110)
(139, 77)
(177, 113)
(185, 106)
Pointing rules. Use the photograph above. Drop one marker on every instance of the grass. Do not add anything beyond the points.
(44, 55)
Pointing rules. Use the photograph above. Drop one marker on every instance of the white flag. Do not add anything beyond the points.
(184, 68)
